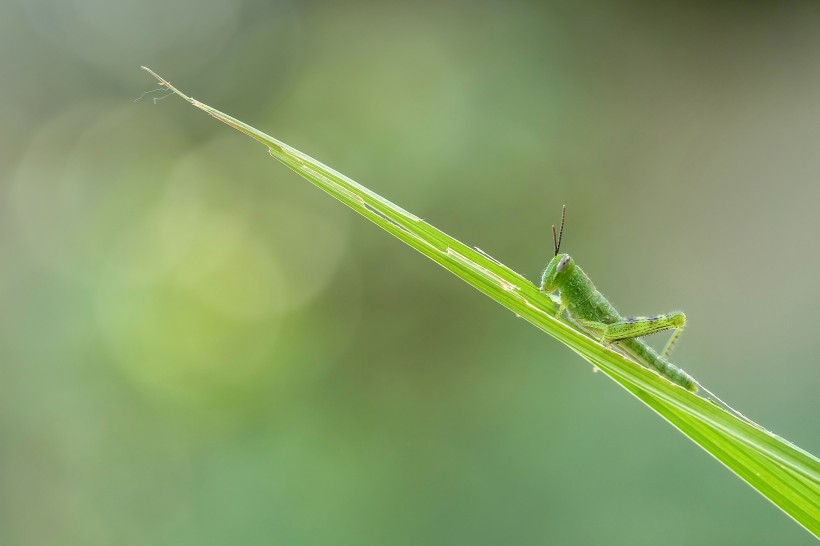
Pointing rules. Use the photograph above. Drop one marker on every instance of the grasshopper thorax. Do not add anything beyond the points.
(558, 270)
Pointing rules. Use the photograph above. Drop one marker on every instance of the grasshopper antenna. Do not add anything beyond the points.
(556, 241)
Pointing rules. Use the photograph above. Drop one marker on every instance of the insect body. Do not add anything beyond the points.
(593, 312)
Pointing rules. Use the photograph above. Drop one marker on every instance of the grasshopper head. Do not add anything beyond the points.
(556, 273)
(561, 266)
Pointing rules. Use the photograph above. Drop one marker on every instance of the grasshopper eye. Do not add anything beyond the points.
(562, 265)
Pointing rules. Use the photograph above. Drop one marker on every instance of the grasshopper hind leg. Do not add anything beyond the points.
(638, 327)
(674, 337)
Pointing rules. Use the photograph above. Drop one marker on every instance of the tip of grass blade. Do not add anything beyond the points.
(224, 118)
(165, 83)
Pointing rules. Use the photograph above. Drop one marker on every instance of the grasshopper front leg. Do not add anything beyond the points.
(639, 327)
(561, 309)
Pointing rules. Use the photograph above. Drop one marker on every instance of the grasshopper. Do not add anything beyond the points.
(591, 311)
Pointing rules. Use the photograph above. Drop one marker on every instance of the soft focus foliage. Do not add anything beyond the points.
(175, 369)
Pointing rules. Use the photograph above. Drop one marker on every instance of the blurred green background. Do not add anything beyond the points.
(198, 347)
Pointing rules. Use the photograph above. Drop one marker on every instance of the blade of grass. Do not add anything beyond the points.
(783, 473)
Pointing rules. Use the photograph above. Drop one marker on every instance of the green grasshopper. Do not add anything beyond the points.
(590, 310)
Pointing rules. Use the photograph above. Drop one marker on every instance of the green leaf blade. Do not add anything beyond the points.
(786, 475)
